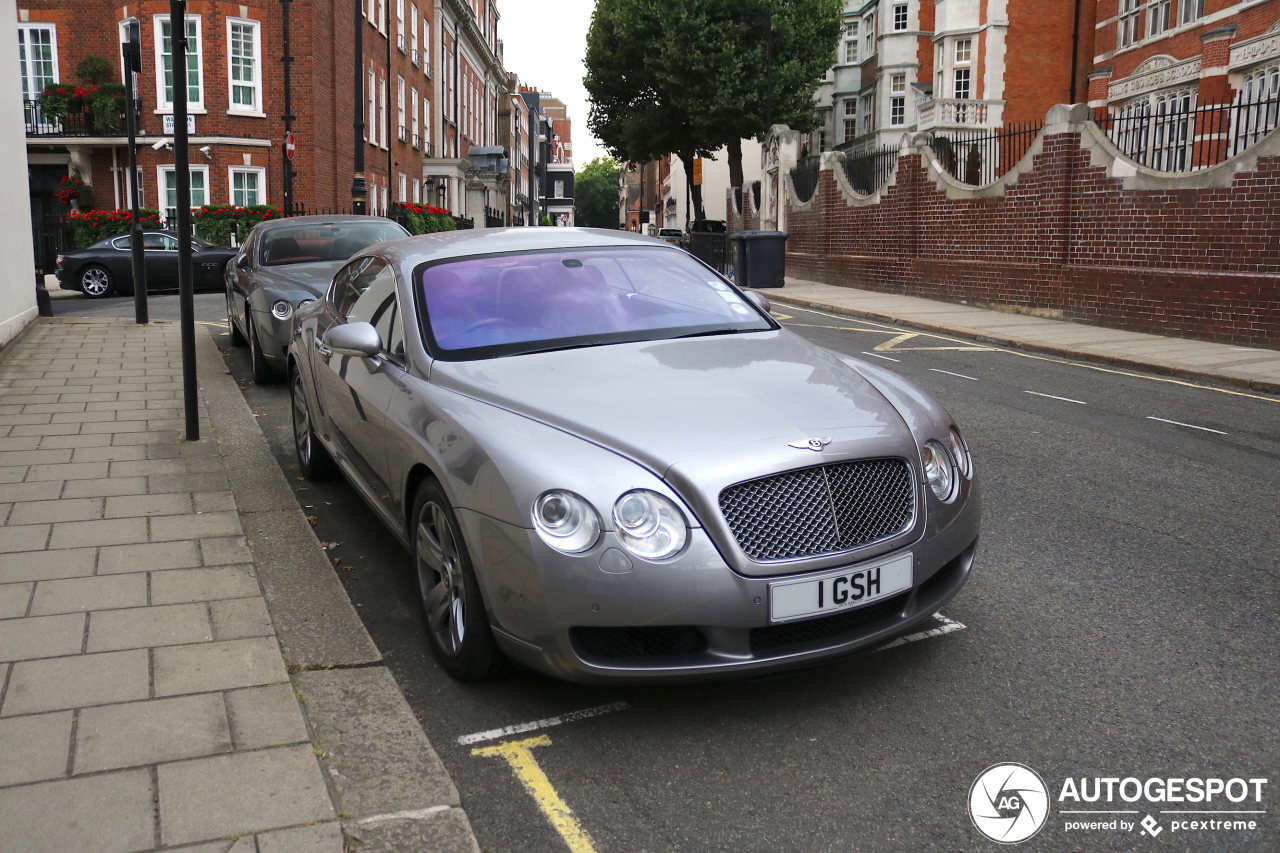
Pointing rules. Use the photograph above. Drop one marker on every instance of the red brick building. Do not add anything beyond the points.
(1154, 58)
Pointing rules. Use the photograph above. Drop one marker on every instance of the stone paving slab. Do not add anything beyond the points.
(146, 695)
(1246, 367)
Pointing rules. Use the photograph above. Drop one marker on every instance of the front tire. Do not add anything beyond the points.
(237, 339)
(263, 372)
(457, 625)
(96, 282)
(314, 460)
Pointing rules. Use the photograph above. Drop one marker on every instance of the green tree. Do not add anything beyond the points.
(632, 112)
(595, 194)
(691, 76)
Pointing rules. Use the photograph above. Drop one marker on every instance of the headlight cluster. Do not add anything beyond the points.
(944, 466)
(281, 310)
(648, 524)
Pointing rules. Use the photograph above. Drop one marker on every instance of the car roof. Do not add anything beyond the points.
(272, 224)
(444, 245)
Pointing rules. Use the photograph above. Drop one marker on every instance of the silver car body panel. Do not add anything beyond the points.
(685, 418)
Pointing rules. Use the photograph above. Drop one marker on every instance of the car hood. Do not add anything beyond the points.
(314, 277)
(661, 402)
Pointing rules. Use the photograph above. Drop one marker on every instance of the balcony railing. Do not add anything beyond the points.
(79, 123)
(403, 133)
(427, 69)
(428, 149)
(402, 43)
(417, 141)
(957, 112)
(415, 57)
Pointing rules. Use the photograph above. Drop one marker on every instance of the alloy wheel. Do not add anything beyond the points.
(444, 595)
(95, 281)
(301, 422)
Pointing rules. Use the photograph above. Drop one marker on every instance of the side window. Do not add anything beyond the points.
(377, 305)
(121, 243)
(155, 241)
(170, 244)
(395, 343)
(350, 283)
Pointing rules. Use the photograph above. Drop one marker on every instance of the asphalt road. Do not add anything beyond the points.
(1121, 621)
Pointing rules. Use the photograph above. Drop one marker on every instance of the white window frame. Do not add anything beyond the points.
(381, 21)
(402, 116)
(868, 107)
(383, 117)
(401, 42)
(402, 186)
(957, 75)
(1190, 10)
(1128, 23)
(162, 106)
(901, 18)
(416, 116)
(371, 123)
(426, 40)
(414, 55)
(426, 123)
(260, 171)
(869, 36)
(1161, 17)
(851, 43)
(256, 85)
(162, 188)
(963, 51)
(25, 64)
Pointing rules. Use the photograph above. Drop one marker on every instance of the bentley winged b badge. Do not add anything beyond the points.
(815, 444)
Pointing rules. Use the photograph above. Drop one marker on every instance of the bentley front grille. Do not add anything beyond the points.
(820, 510)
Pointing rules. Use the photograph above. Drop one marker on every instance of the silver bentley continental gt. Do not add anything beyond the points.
(612, 465)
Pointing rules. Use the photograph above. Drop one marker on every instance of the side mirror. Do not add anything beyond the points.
(759, 300)
(242, 262)
(359, 339)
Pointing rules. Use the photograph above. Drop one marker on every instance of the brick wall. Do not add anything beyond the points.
(1178, 256)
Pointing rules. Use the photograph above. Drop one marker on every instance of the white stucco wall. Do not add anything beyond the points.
(715, 183)
(17, 258)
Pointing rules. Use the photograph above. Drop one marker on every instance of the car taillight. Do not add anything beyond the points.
(61, 258)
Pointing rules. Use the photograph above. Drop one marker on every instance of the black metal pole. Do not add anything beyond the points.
(359, 189)
(182, 182)
(286, 59)
(132, 51)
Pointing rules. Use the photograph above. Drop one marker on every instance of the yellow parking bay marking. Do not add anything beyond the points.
(1051, 359)
(521, 728)
(519, 754)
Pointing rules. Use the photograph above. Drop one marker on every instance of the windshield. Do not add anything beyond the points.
(304, 244)
(670, 232)
(533, 302)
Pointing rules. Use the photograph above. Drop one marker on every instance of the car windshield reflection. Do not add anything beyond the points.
(306, 244)
(501, 305)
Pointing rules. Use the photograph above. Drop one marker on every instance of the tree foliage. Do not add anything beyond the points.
(691, 76)
(595, 194)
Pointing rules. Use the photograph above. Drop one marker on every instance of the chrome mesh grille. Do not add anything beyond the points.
(819, 510)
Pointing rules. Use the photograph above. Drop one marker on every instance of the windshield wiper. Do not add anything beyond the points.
(716, 332)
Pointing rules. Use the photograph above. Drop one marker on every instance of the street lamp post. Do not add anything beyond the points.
(131, 51)
(182, 187)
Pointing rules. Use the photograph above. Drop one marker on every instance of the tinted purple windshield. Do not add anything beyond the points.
(505, 304)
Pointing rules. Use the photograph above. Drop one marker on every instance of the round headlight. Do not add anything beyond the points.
(281, 310)
(566, 522)
(939, 470)
(649, 525)
(960, 451)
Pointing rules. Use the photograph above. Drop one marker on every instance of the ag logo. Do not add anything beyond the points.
(1008, 803)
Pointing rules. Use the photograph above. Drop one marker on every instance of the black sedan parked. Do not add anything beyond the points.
(106, 267)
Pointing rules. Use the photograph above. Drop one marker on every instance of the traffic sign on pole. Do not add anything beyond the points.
(290, 144)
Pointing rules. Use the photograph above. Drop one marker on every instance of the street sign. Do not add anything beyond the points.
(290, 144)
(697, 171)
(168, 124)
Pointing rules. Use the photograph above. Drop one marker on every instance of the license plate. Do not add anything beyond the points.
(842, 590)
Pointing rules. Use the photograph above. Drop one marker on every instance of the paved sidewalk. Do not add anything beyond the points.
(145, 702)
(1246, 367)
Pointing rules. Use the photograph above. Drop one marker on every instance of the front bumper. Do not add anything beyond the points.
(691, 619)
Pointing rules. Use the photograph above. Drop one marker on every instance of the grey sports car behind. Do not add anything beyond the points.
(282, 264)
(611, 464)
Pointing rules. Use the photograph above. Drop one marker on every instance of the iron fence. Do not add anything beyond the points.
(80, 122)
(1175, 135)
(804, 177)
(979, 157)
(494, 218)
(867, 171)
(464, 223)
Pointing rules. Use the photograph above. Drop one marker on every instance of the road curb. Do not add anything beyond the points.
(388, 784)
(1129, 363)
